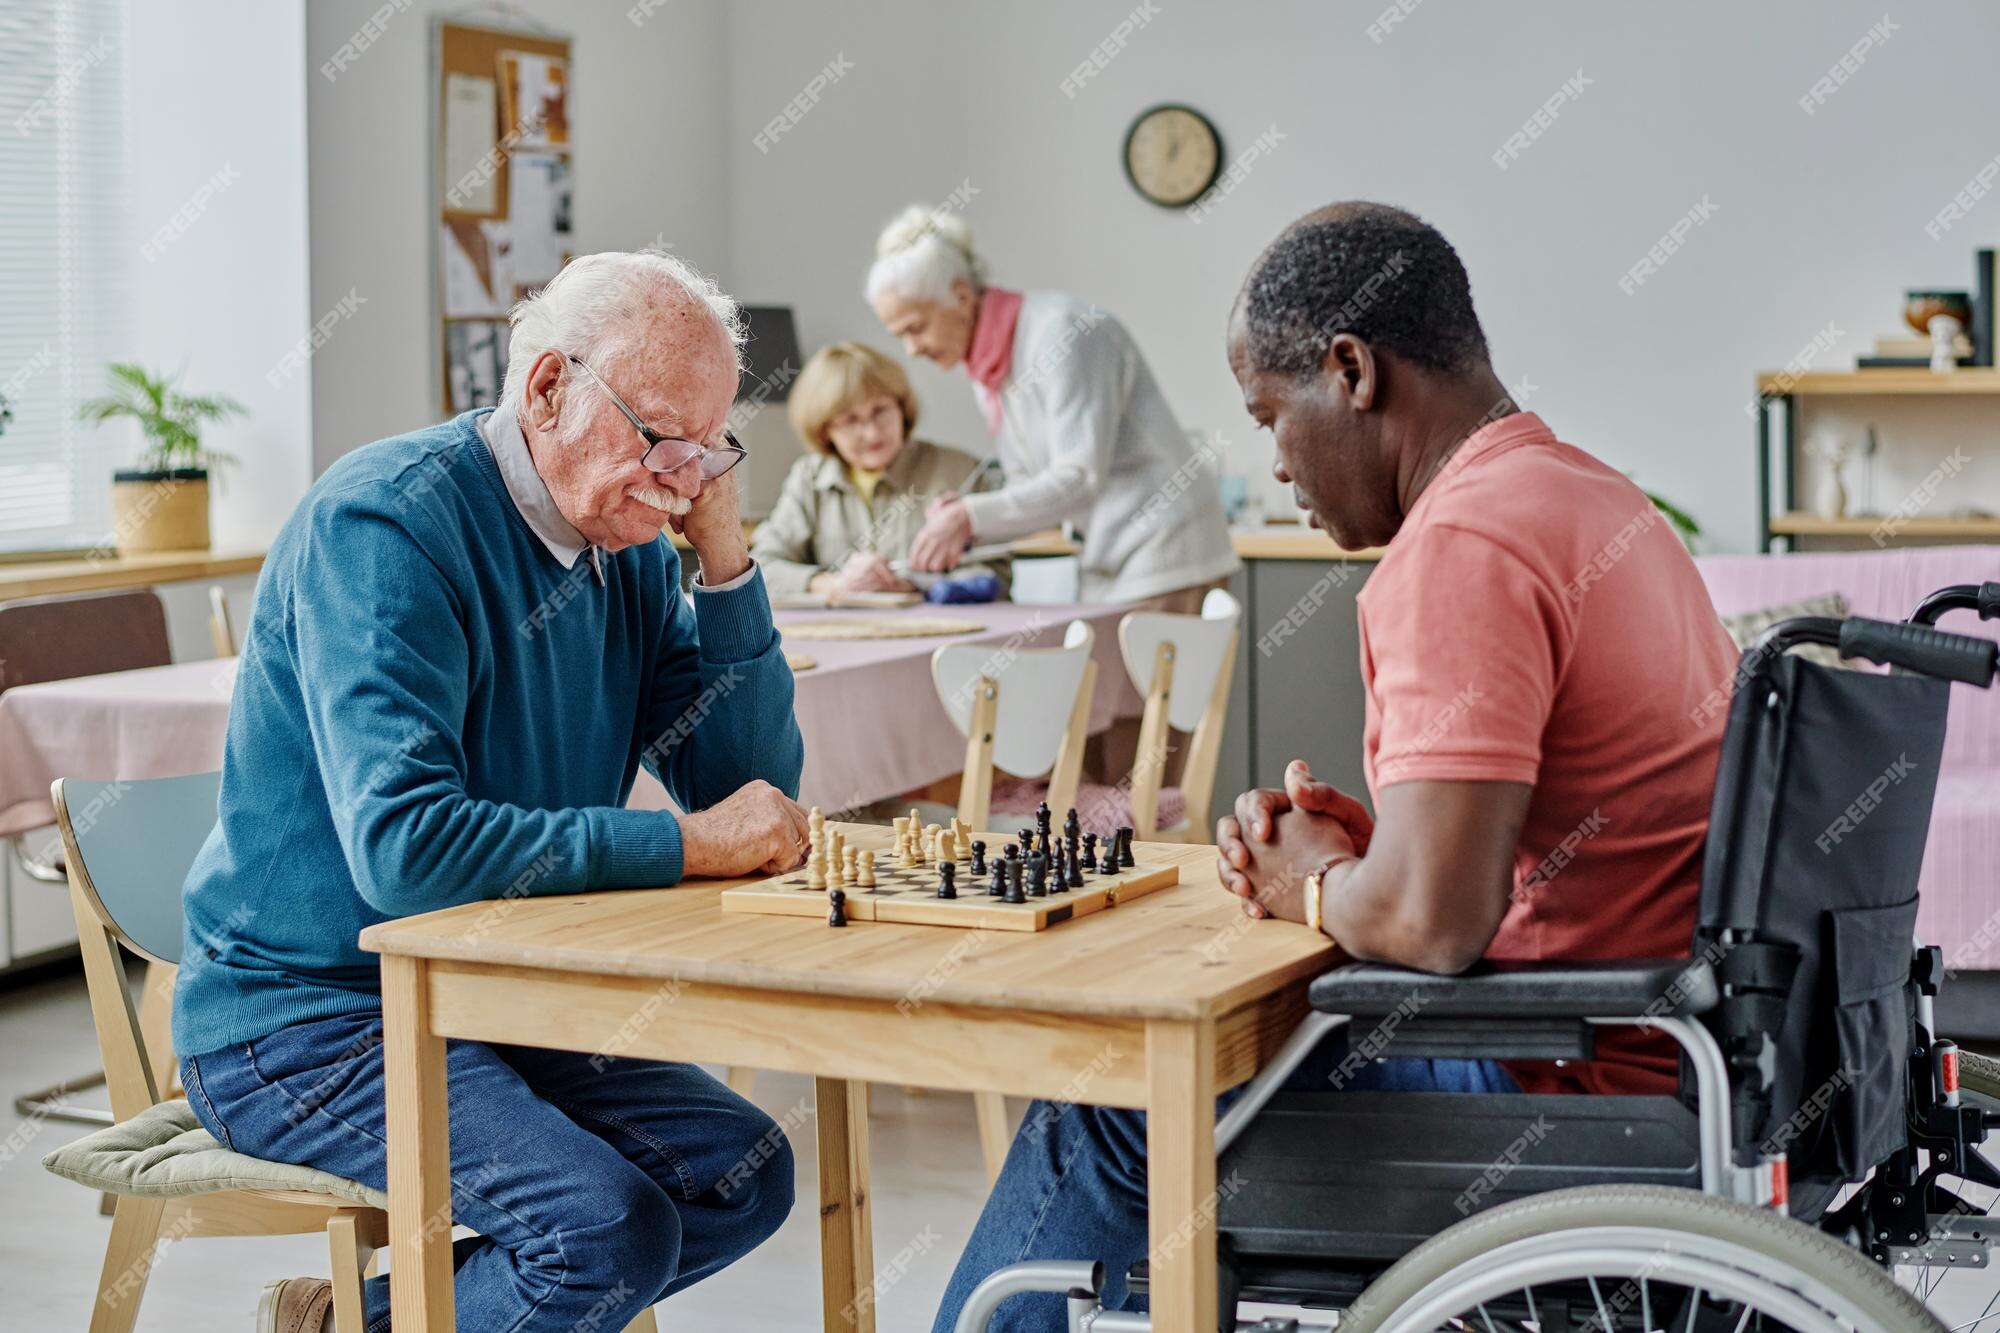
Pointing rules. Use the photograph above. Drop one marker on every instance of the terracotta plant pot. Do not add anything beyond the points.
(160, 511)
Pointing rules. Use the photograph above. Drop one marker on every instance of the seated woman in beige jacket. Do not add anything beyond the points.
(856, 501)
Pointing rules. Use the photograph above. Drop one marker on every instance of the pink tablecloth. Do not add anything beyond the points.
(159, 722)
(872, 721)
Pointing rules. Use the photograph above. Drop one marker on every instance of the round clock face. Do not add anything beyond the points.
(1172, 154)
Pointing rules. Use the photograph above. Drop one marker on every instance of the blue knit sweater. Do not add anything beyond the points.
(430, 710)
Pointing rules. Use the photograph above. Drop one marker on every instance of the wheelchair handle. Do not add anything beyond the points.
(1919, 648)
(1981, 597)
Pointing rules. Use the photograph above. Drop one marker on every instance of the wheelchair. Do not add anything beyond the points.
(1825, 1135)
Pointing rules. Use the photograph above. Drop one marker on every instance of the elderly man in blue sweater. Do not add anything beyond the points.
(466, 642)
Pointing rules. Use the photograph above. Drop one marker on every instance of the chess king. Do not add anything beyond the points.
(1393, 429)
(466, 641)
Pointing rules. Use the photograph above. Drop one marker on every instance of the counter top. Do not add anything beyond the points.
(102, 571)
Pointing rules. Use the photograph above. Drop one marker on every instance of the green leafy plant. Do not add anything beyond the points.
(1682, 520)
(170, 420)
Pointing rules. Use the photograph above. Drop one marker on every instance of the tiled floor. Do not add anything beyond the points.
(928, 1187)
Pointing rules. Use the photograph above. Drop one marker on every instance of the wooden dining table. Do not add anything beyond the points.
(1156, 1004)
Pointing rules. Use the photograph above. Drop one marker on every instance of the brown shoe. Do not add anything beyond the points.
(294, 1305)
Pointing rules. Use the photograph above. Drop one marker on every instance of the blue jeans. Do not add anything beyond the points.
(1074, 1186)
(597, 1186)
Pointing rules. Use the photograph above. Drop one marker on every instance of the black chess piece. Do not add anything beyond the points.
(1125, 846)
(837, 901)
(1075, 880)
(1072, 826)
(947, 879)
(999, 885)
(1013, 851)
(1014, 894)
(1059, 871)
(1089, 850)
(1042, 818)
(1109, 864)
(1038, 876)
(978, 858)
(1027, 841)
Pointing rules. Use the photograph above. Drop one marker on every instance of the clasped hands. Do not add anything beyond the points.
(1276, 838)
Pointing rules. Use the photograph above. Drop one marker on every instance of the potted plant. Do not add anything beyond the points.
(161, 505)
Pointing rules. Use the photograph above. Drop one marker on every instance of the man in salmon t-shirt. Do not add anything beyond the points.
(1541, 662)
(1535, 642)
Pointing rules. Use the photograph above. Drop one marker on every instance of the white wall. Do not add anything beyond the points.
(648, 109)
(217, 88)
(1819, 218)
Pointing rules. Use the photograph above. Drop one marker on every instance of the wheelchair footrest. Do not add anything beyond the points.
(1338, 1178)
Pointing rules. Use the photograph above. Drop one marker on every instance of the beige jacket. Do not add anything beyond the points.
(820, 518)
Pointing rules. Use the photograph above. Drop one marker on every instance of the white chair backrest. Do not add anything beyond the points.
(1201, 643)
(1038, 688)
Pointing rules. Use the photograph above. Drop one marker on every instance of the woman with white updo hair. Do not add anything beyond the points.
(1085, 435)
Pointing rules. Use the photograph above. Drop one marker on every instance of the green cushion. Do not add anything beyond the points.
(163, 1152)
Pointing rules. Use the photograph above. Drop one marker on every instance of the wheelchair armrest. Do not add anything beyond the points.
(1626, 988)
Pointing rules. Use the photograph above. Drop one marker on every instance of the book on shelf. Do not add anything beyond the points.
(1914, 345)
(1902, 362)
(1985, 307)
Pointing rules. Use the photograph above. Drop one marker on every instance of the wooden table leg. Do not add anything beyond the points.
(846, 1240)
(419, 1153)
(1180, 1175)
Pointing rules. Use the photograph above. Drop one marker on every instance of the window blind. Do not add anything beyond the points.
(64, 264)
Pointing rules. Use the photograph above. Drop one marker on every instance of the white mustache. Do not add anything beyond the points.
(665, 501)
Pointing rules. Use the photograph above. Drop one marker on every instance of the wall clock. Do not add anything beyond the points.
(1172, 154)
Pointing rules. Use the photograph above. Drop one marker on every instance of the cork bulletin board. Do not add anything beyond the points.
(503, 191)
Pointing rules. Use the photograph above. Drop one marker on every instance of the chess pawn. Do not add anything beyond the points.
(850, 865)
(906, 850)
(816, 870)
(867, 879)
(1089, 849)
(1014, 894)
(999, 886)
(836, 908)
(978, 852)
(947, 879)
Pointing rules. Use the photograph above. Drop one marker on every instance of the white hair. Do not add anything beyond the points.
(596, 298)
(921, 253)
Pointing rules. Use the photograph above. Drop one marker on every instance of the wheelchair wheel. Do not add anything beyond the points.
(1635, 1259)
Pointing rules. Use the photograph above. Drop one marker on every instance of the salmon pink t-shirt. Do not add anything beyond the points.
(1537, 621)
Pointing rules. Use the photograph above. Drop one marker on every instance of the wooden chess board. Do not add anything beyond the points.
(909, 893)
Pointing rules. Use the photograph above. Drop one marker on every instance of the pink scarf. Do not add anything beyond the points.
(991, 354)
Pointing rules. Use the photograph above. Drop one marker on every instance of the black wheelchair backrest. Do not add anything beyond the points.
(1809, 887)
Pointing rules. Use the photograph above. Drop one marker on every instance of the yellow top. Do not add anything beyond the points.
(865, 482)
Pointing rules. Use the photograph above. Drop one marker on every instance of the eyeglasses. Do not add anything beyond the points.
(671, 453)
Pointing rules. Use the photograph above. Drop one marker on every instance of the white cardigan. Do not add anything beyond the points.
(1087, 437)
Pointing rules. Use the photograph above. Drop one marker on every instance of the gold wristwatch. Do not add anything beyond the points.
(1315, 915)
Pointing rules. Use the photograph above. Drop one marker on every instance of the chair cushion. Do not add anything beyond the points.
(163, 1152)
(1745, 626)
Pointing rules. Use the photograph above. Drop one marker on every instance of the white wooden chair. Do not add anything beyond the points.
(128, 847)
(1182, 665)
(1023, 711)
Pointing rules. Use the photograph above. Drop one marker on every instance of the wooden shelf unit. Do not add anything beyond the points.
(1887, 382)
(1865, 525)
